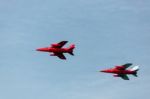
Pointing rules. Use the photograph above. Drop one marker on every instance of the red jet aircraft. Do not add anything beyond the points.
(57, 49)
(122, 71)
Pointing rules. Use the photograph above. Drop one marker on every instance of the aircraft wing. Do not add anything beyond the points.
(124, 76)
(59, 45)
(127, 65)
(123, 67)
(60, 55)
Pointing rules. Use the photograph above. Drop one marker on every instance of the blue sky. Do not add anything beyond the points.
(106, 33)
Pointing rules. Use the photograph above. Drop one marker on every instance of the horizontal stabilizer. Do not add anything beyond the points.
(135, 74)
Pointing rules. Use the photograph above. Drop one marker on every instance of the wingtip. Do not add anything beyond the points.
(63, 58)
(64, 41)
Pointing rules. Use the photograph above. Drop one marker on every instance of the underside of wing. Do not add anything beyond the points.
(124, 76)
(62, 43)
(127, 65)
(60, 55)
(123, 67)
(59, 45)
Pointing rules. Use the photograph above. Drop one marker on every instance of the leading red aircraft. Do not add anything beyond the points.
(122, 71)
(58, 50)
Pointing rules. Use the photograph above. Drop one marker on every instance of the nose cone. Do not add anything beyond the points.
(42, 49)
(104, 71)
(38, 49)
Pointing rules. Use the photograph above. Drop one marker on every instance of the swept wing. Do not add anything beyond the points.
(123, 76)
(123, 67)
(127, 65)
(59, 45)
(60, 55)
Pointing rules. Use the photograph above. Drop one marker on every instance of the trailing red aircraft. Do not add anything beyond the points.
(122, 71)
(58, 50)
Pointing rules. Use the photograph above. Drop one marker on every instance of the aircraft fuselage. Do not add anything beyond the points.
(55, 50)
(116, 71)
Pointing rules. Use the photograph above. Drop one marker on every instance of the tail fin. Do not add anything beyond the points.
(71, 49)
(135, 69)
